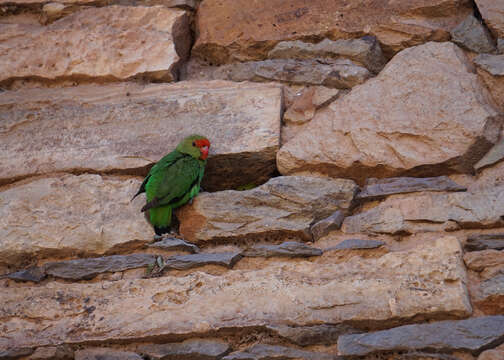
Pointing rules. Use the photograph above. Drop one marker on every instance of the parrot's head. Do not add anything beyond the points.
(195, 145)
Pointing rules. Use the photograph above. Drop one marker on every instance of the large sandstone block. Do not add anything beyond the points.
(126, 127)
(115, 42)
(425, 113)
(240, 30)
(431, 212)
(86, 214)
(284, 207)
(423, 283)
(492, 12)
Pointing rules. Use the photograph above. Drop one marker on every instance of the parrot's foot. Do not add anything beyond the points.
(158, 237)
(156, 269)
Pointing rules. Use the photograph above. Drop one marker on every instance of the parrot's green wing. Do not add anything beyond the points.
(173, 183)
(165, 161)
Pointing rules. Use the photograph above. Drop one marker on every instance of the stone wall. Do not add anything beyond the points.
(353, 203)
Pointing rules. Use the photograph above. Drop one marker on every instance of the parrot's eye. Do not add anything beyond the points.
(194, 143)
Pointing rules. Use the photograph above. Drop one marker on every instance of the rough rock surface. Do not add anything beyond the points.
(489, 297)
(126, 127)
(34, 274)
(286, 249)
(425, 282)
(493, 354)
(308, 102)
(325, 226)
(352, 244)
(284, 206)
(267, 352)
(473, 35)
(339, 73)
(182, 262)
(491, 70)
(84, 269)
(86, 214)
(479, 260)
(63, 352)
(495, 154)
(310, 335)
(222, 25)
(365, 51)
(473, 335)
(484, 241)
(492, 12)
(126, 41)
(197, 349)
(379, 188)
(105, 354)
(431, 212)
(175, 244)
(396, 134)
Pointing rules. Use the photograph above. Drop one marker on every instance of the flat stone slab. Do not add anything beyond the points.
(175, 244)
(484, 242)
(479, 260)
(284, 207)
(67, 215)
(85, 269)
(267, 352)
(183, 262)
(112, 42)
(493, 64)
(492, 12)
(325, 226)
(397, 25)
(34, 274)
(474, 335)
(431, 211)
(105, 354)
(429, 284)
(394, 136)
(326, 334)
(127, 127)
(379, 188)
(356, 244)
(197, 349)
(489, 297)
(365, 51)
(495, 154)
(339, 73)
(286, 249)
(473, 35)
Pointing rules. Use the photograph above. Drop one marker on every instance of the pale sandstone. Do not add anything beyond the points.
(431, 212)
(126, 127)
(408, 122)
(86, 214)
(493, 354)
(492, 12)
(491, 70)
(114, 42)
(239, 30)
(479, 260)
(424, 283)
(284, 207)
(308, 102)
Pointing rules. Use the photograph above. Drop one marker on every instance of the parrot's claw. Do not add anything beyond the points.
(157, 237)
(155, 269)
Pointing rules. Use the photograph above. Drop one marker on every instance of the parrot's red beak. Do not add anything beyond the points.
(204, 152)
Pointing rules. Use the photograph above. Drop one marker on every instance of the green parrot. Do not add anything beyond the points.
(174, 180)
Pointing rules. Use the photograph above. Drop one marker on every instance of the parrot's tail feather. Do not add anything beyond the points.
(160, 218)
